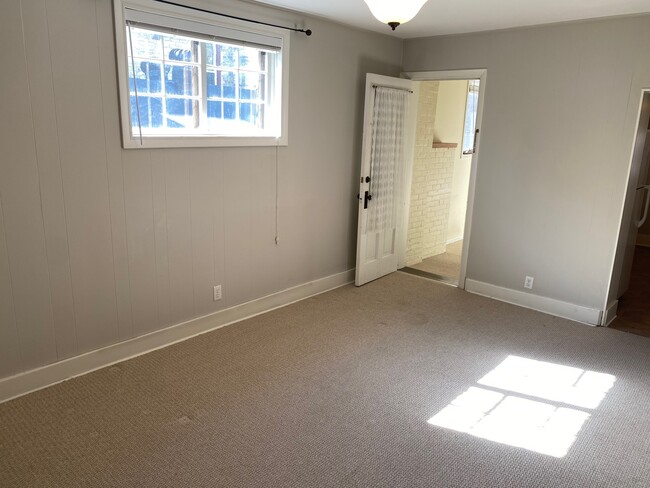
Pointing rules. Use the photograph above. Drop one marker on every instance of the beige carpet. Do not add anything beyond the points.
(446, 264)
(333, 391)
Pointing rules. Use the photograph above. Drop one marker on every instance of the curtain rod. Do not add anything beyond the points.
(307, 32)
(392, 88)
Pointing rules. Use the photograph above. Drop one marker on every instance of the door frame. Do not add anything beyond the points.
(461, 74)
(625, 219)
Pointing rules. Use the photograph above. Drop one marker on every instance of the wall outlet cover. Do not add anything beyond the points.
(528, 282)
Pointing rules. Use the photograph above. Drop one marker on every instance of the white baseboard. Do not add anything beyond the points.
(610, 313)
(36, 379)
(453, 239)
(589, 316)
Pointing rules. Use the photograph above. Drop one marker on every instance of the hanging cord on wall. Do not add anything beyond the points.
(135, 82)
(307, 32)
(277, 187)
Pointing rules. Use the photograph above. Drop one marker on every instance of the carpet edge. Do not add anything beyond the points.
(36, 379)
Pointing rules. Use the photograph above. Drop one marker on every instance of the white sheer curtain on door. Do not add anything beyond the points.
(387, 150)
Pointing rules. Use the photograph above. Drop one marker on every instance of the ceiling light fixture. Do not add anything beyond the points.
(395, 12)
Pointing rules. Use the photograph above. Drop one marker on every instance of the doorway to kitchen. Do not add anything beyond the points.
(445, 142)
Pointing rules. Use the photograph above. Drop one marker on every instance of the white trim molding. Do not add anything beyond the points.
(454, 74)
(610, 313)
(51, 374)
(462, 74)
(566, 310)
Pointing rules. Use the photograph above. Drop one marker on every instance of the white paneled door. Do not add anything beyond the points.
(386, 139)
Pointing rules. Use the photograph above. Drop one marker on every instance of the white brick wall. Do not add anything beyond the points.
(433, 171)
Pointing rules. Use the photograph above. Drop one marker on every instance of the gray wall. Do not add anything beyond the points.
(559, 118)
(99, 244)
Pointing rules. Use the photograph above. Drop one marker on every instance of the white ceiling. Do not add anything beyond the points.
(439, 17)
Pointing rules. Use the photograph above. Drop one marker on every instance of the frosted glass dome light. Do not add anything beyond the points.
(395, 12)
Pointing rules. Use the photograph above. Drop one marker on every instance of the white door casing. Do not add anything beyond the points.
(378, 250)
(462, 74)
(638, 177)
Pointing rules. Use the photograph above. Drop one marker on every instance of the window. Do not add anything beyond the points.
(193, 79)
(471, 109)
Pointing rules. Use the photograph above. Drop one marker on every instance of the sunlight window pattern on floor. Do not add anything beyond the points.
(528, 404)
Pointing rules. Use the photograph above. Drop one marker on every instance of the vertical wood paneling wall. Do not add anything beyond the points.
(100, 244)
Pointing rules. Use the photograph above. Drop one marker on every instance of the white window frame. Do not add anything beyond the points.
(133, 141)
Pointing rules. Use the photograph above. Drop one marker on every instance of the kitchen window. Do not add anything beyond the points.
(471, 109)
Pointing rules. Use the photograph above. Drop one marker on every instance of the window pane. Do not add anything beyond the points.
(209, 53)
(471, 109)
(146, 44)
(246, 112)
(215, 110)
(226, 56)
(249, 58)
(228, 84)
(149, 110)
(170, 87)
(230, 110)
(214, 84)
(182, 80)
(149, 77)
(251, 86)
(182, 113)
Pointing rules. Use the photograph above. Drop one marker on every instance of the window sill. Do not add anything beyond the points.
(199, 141)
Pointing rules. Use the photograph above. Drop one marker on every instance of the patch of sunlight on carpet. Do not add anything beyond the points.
(542, 422)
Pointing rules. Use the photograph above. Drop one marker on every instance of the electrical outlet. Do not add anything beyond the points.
(217, 293)
(528, 282)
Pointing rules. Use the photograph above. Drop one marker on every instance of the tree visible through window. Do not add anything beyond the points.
(191, 78)
(471, 108)
(178, 84)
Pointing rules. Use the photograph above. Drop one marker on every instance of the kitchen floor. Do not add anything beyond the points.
(445, 265)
